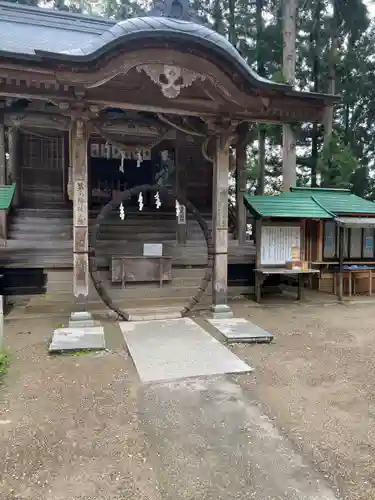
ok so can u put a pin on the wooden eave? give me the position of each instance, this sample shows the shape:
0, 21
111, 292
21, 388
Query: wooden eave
83, 56
263, 107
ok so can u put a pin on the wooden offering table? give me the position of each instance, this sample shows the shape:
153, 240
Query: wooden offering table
262, 273
141, 269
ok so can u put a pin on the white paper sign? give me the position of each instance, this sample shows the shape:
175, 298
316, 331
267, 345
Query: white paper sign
277, 243
153, 249
181, 215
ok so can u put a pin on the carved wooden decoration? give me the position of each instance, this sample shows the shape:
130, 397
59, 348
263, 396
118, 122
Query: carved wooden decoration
80, 203
171, 79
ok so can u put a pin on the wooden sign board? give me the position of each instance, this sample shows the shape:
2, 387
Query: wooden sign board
278, 244
104, 150
181, 219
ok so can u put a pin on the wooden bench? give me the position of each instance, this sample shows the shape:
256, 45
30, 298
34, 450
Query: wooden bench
126, 269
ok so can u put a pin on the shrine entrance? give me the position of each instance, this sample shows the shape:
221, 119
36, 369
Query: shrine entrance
121, 161
145, 262
183, 107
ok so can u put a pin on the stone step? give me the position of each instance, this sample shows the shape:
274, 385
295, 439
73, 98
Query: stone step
179, 282
128, 221
48, 214
56, 276
147, 292
39, 305
63, 257
67, 263
147, 314
127, 304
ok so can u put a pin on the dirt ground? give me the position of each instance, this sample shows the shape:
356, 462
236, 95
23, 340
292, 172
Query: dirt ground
69, 425
316, 381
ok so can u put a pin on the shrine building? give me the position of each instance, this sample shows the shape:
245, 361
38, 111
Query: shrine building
91, 108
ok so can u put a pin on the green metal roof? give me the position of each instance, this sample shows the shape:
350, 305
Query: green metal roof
338, 201
6, 195
286, 205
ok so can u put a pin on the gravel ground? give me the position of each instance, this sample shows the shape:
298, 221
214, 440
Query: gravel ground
317, 381
55, 440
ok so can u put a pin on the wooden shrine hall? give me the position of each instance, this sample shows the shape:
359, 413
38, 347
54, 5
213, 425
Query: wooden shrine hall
91, 108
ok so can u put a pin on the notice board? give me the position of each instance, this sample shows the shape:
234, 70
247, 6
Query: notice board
277, 243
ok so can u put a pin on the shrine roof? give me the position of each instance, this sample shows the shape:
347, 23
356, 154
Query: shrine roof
6, 195
338, 201
310, 203
32, 33
25, 30
286, 205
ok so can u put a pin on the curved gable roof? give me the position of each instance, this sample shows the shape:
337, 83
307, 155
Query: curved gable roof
36, 33
142, 29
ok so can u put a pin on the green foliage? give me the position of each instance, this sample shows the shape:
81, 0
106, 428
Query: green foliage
350, 158
4, 363
337, 164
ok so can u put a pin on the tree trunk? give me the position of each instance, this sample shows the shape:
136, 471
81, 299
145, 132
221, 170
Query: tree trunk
232, 22
261, 72
328, 113
217, 15
262, 159
315, 49
289, 73
347, 107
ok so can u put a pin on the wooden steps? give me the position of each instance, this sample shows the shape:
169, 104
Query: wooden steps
42, 238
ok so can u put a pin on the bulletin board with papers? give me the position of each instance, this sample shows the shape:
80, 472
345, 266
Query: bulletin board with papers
277, 243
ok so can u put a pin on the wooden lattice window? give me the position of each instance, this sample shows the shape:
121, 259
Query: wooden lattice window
42, 163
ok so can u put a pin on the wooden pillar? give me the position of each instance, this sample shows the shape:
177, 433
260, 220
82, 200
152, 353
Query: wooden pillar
289, 158
2, 150
79, 141
14, 173
241, 183
341, 262
181, 184
289, 73
220, 227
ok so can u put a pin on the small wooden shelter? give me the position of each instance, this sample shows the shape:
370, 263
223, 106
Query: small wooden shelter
332, 231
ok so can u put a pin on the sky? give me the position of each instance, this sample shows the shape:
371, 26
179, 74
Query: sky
371, 7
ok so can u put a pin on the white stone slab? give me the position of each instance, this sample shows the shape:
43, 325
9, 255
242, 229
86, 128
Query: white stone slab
240, 330
75, 339
177, 348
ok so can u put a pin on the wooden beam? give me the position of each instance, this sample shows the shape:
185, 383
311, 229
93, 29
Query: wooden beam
220, 306
79, 138
181, 182
241, 182
341, 262
14, 174
2, 150
319, 242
